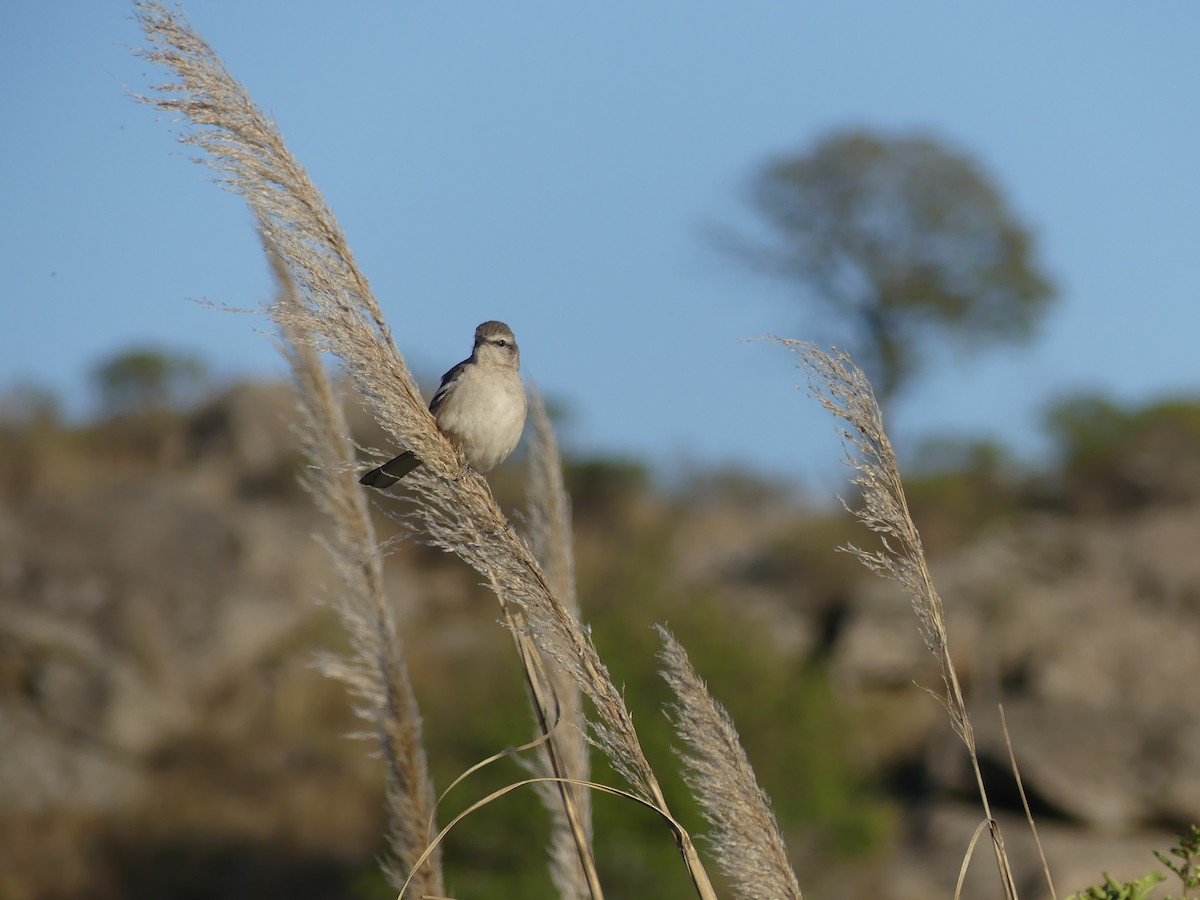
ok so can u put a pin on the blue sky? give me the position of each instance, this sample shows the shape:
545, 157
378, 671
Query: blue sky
557, 166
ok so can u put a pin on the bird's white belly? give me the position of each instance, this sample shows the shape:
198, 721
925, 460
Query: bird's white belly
488, 428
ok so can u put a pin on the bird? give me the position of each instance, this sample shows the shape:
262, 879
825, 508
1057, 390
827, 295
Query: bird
480, 406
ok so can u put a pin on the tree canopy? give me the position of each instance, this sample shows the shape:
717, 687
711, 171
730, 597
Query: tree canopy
906, 241
146, 379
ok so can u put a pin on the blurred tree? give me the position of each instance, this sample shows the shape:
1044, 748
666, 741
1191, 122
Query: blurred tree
906, 241
1115, 458
30, 434
145, 380
26, 406
957, 487
1086, 427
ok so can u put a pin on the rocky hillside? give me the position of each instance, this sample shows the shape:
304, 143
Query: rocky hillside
164, 731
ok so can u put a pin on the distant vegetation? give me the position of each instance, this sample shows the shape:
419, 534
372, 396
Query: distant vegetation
905, 242
627, 530
160, 633
1105, 456
145, 380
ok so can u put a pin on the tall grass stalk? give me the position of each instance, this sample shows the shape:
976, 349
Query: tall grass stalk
745, 836
375, 672
337, 312
843, 389
566, 756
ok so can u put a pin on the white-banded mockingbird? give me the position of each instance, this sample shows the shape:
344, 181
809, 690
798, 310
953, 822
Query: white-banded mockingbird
480, 406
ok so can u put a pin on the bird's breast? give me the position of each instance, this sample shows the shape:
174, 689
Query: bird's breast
484, 416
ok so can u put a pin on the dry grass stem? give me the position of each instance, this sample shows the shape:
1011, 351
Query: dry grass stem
375, 672
1037, 840
842, 388
566, 756
572, 859
461, 517
745, 836
337, 312
337, 309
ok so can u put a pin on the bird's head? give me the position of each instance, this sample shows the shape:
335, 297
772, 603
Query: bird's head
495, 345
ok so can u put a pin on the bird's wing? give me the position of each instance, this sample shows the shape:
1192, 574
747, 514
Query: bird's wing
447, 385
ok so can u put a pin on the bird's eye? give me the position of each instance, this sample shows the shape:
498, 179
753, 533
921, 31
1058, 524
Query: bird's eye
502, 343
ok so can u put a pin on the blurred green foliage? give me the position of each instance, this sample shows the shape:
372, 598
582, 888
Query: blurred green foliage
783, 708
905, 239
26, 407
602, 488
31, 432
471, 689
958, 487
149, 379
1114, 457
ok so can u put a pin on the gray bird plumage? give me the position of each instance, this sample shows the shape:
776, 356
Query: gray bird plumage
479, 405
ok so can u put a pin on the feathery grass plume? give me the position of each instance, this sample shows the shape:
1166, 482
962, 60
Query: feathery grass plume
337, 312
375, 672
842, 388
248, 156
550, 538
461, 517
549, 513
745, 836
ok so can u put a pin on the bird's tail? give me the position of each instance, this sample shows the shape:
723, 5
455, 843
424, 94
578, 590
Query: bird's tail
391, 472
